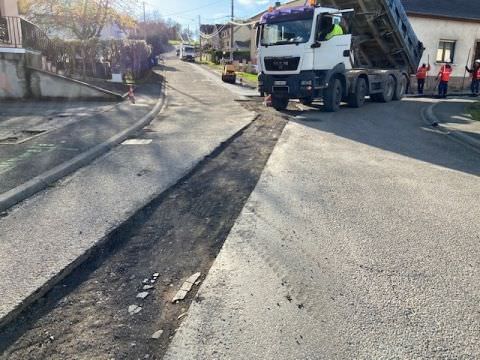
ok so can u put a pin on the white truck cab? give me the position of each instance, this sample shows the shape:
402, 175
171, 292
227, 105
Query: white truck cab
306, 53
187, 52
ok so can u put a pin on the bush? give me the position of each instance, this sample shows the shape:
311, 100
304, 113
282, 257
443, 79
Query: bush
217, 56
96, 58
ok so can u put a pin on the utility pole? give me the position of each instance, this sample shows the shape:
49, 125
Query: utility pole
231, 31
144, 21
200, 35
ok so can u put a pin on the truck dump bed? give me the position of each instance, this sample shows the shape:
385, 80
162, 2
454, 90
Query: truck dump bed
382, 34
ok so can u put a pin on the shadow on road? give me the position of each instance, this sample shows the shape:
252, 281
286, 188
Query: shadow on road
397, 127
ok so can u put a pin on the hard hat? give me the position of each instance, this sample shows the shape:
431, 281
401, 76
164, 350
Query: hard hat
477, 61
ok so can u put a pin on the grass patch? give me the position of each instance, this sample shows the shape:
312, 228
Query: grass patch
474, 111
247, 77
251, 78
174, 42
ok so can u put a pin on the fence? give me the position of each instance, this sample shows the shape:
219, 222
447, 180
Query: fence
16, 32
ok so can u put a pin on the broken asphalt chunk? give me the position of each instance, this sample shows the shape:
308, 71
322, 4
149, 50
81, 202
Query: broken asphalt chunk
143, 295
134, 309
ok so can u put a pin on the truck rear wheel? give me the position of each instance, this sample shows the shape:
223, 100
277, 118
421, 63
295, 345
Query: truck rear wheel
388, 92
279, 103
357, 99
333, 96
401, 88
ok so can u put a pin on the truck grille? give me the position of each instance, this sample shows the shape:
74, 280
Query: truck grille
282, 63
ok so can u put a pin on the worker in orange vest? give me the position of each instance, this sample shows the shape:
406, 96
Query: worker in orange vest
422, 74
475, 71
444, 77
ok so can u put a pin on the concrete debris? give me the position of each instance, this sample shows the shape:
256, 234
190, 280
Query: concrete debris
148, 287
145, 281
156, 275
180, 295
143, 295
193, 278
182, 315
134, 309
157, 334
186, 287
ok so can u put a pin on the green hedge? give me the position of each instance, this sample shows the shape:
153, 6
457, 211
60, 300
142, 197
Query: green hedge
217, 56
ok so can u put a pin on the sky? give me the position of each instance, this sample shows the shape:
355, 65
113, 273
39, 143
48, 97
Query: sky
211, 11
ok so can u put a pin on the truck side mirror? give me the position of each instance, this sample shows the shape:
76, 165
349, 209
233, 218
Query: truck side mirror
316, 45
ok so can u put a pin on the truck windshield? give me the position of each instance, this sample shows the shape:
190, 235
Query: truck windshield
287, 32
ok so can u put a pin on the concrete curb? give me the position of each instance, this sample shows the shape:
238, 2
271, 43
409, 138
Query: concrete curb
40, 182
430, 118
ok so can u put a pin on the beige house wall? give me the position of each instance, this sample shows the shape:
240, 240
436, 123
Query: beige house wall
8, 8
431, 30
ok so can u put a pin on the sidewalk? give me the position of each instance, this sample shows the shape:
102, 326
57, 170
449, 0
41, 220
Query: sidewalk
37, 137
451, 115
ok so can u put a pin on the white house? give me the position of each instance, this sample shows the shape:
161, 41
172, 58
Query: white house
449, 30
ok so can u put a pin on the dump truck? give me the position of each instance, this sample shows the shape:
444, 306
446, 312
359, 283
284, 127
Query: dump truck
187, 52
339, 51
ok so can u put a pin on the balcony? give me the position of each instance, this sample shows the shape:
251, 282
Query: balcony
18, 33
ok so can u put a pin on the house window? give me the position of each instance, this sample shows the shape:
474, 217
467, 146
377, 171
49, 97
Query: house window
446, 51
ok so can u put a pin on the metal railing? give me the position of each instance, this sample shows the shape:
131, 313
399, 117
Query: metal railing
34, 38
16, 32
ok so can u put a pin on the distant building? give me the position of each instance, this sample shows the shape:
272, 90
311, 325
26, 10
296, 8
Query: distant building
212, 36
241, 38
449, 29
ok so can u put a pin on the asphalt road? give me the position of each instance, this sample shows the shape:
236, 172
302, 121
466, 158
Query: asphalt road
360, 241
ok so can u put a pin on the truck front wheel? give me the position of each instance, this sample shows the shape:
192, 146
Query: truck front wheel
357, 99
333, 96
279, 103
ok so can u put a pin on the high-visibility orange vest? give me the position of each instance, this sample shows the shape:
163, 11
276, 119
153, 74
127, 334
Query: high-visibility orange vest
422, 73
476, 74
445, 74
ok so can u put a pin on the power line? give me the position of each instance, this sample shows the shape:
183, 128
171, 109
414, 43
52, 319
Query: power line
194, 9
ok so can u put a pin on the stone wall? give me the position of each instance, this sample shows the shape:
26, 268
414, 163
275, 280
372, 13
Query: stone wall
45, 85
21, 78
13, 76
